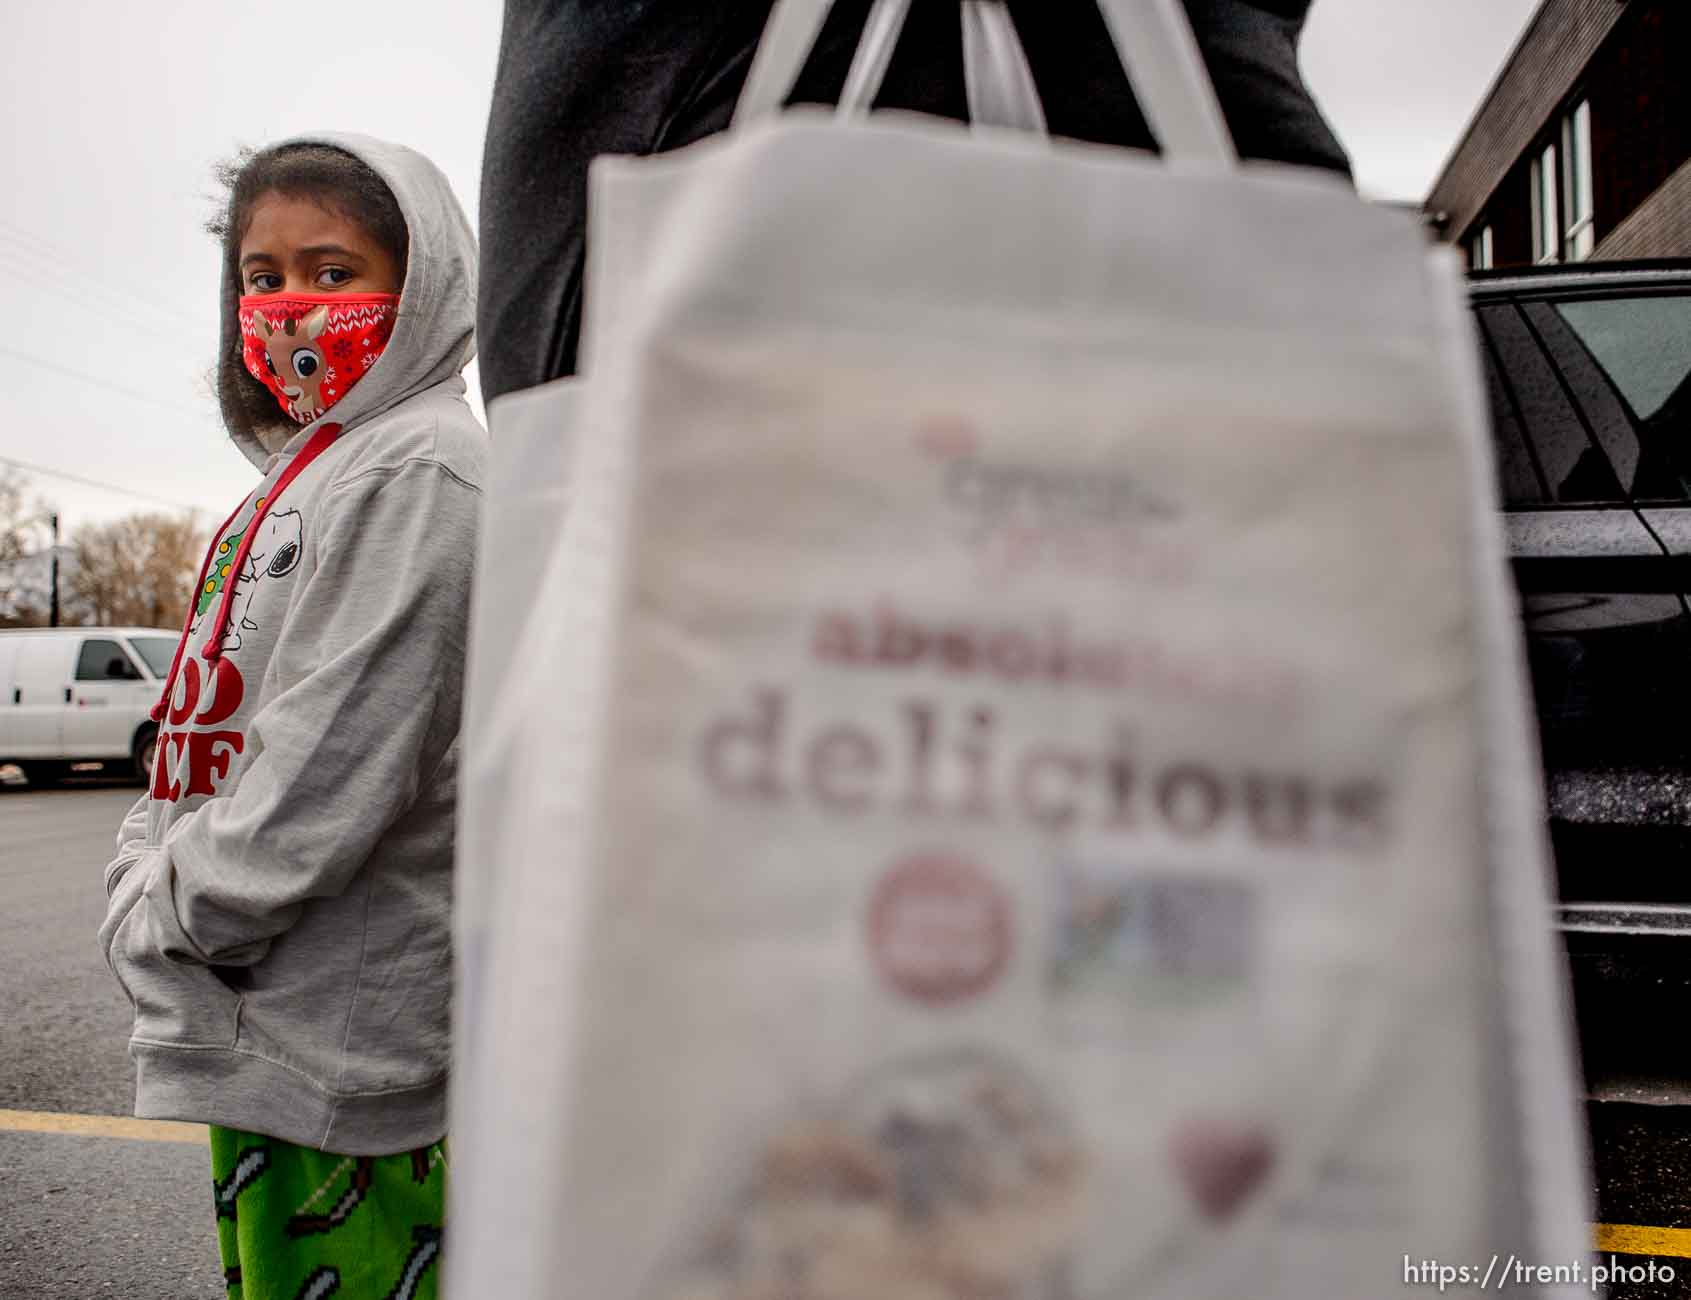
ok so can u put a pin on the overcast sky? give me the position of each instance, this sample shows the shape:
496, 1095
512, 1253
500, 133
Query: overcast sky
117, 112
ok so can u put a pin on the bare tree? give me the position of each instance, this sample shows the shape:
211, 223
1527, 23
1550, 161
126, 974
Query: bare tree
138, 570
23, 523
25, 553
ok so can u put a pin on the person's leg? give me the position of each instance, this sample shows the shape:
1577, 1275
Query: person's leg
226, 1151
298, 1224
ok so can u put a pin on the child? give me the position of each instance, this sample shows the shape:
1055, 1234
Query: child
279, 903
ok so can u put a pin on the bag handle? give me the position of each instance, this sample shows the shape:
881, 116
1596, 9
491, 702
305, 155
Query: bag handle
1166, 70
874, 53
996, 76
1152, 38
997, 80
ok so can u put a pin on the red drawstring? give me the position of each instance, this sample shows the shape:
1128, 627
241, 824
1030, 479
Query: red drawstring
157, 711
212, 650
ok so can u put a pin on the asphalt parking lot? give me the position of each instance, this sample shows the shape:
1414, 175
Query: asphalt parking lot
91, 1214
95, 1204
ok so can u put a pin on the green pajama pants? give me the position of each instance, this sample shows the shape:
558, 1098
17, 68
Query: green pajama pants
299, 1224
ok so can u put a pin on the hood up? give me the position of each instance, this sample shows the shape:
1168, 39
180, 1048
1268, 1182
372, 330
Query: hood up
434, 335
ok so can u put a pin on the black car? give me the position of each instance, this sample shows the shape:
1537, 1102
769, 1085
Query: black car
1589, 377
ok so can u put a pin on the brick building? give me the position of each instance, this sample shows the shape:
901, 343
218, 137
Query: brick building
1582, 147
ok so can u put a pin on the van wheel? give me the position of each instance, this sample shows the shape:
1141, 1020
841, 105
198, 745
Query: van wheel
141, 755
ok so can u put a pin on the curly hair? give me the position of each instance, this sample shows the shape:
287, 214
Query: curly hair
329, 177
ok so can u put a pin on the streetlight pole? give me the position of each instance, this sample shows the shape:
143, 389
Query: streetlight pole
53, 614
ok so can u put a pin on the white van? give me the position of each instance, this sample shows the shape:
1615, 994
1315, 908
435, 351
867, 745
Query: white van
72, 695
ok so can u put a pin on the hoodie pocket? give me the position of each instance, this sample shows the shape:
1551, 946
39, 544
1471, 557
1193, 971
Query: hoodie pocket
176, 1002
119, 908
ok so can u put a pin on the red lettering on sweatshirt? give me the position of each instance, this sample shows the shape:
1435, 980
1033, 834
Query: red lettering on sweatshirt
205, 758
163, 786
206, 699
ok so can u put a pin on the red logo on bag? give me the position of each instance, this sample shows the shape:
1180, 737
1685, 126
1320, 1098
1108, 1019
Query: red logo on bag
1021, 515
939, 929
945, 437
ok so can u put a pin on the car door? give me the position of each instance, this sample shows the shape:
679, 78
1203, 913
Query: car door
41, 676
1608, 632
1629, 356
9, 712
1608, 635
100, 722
1621, 818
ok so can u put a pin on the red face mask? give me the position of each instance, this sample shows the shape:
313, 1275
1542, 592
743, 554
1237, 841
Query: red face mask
308, 349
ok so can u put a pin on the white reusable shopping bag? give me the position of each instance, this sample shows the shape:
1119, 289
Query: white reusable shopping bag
1003, 767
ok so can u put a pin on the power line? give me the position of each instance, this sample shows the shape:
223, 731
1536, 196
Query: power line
155, 324
83, 286
177, 407
48, 259
95, 483
54, 259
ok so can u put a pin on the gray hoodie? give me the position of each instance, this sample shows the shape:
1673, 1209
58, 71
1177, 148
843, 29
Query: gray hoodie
280, 901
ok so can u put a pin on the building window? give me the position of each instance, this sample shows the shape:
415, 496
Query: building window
1479, 250
1546, 227
1562, 226
1576, 182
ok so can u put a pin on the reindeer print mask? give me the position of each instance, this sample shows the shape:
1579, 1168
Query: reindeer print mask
308, 349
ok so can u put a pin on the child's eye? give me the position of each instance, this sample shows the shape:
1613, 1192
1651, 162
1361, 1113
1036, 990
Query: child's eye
265, 282
334, 275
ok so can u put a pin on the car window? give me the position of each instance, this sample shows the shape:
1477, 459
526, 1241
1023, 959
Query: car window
1517, 477
1573, 467
1610, 421
155, 651
1642, 346
96, 662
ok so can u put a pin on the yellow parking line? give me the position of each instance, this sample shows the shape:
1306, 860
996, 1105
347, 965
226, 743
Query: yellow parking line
1616, 1238
1631, 1239
105, 1126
